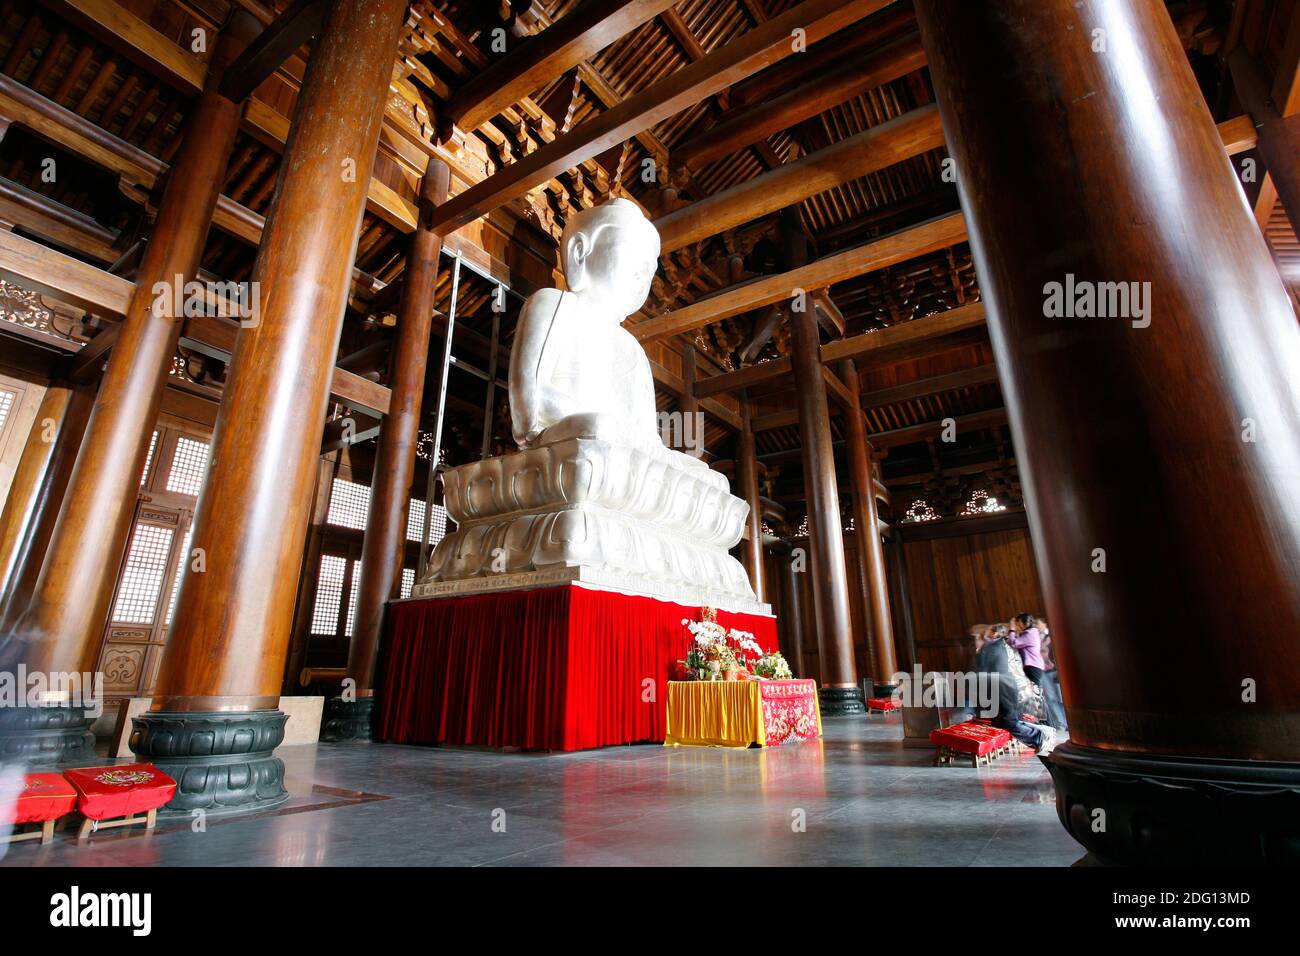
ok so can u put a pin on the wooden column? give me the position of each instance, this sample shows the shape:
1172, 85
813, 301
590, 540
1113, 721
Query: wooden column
385, 541
747, 473
70, 601
839, 677
1160, 454
875, 581
39, 485
220, 676
790, 626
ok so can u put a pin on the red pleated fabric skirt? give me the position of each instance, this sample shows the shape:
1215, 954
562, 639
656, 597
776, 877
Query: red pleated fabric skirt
561, 668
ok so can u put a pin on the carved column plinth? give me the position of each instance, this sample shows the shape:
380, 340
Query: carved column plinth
347, 719
1152, 809
841, 701
883, 690
223, 762
46, 736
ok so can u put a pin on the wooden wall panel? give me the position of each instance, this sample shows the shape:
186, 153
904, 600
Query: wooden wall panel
957, 581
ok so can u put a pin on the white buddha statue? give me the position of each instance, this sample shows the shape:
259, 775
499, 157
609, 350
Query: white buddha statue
593, 495
575, 372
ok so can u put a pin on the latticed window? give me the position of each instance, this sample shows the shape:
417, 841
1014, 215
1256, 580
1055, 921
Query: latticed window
920, 510
148, 460
349, 504
981, 504
7, 399
408, 581
189, 466
142, 578
415, 522
329, 595
182, 566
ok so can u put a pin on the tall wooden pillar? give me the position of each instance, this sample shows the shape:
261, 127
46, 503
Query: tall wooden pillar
219, 682
874, 580
65, 619
385, 540
747, 473
791, 623
1159, 447
39, 485
840, 693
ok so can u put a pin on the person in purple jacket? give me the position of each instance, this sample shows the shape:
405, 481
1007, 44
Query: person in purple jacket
1026, 639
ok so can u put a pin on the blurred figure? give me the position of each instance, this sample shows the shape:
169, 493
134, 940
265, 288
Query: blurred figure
1026, 639
994, 659
1051, 682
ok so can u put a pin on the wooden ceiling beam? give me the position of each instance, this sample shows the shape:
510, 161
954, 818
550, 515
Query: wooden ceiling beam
915, 433
825, 56
292, 29
937, 384
546, 55
743, 127
41, 269
894, 141
137, 41
717, 71
914, 335
57, 223
49, 272
906, 335
875, 148
898, 247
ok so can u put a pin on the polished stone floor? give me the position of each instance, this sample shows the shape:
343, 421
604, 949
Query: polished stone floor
857, 797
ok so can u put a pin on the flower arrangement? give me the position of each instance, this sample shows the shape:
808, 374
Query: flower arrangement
717, 653
773, 667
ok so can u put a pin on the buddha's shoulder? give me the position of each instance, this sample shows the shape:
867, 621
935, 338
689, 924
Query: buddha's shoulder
545, 303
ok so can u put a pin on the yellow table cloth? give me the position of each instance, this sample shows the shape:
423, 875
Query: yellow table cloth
741, 713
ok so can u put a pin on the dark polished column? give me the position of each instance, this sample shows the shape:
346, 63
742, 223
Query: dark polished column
214, 721
875, 581
790, 626
1160, 455
839, 692
747, 473
385, 540
64, 621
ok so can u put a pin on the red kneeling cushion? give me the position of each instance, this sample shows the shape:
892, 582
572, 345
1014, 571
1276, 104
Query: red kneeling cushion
882, 703
109, 792
44, 796
970, 738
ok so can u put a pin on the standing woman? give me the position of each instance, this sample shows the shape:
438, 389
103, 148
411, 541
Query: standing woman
1026, 639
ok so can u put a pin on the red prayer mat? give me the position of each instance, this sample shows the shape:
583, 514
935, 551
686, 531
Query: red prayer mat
105, 793
44, 796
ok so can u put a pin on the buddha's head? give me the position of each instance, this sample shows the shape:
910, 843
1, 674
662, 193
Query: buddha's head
611, 252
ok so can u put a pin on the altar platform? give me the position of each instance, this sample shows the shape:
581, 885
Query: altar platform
742, 713
558, 668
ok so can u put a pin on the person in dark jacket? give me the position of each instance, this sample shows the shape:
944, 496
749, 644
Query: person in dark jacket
991, 660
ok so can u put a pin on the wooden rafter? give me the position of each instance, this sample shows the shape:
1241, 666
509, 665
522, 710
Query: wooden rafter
715, 72
542, 57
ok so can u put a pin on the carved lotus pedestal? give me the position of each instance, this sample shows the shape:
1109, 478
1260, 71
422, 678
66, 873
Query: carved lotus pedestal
592, 512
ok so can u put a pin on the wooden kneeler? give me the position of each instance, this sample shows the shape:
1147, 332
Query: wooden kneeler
89, 826
119, 796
